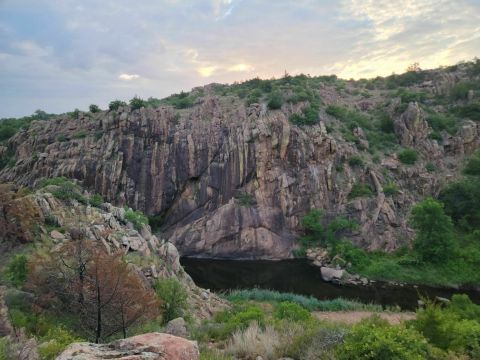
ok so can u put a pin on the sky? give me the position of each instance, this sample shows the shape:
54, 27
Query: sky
58, 55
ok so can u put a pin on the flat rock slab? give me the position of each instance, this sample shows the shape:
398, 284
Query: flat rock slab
151, 346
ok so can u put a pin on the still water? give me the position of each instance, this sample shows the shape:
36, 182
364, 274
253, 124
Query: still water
297, 276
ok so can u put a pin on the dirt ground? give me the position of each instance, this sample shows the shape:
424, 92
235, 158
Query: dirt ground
352, 317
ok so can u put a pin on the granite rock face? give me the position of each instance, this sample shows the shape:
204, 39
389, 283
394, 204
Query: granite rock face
150, 346
231, 181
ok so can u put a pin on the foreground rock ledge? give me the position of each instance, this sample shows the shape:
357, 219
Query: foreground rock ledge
151, 346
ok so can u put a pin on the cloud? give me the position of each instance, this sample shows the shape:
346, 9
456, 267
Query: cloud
241, 68
61, 55
128, 77
206, 71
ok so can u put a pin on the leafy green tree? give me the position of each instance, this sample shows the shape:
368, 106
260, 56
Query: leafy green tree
275, 101
116, 104
174, 298
317, 234
461, 201
137, 103
435, 238
94, 108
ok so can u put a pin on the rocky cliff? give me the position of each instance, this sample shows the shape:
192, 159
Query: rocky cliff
231, 180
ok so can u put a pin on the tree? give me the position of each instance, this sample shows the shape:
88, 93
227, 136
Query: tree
97, 286
435, 239
174, 298
114, 297
116, 104
137, 103
414, 67
317, 234
94, 108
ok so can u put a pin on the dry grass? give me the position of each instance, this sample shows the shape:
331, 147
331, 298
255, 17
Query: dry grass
254, 341
353, 317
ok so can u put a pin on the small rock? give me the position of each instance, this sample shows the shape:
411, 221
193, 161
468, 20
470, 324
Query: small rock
442, 300
177, 327
57, 235
205, 295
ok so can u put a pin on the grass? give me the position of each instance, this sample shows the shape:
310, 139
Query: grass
390, 267
308, 302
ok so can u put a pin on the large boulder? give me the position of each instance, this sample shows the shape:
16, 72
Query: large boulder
412, 128
151, 346
330, 274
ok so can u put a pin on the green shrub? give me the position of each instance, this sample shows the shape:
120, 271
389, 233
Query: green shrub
408, 156
375, 339
406, 79
430, 167
455, 328
390, 189
16, 271
4, 348
461, 89
173, 296
80, 135
55, 341
245, 199
94, 108
96, 200
238, 318
469, 111
275, 101
7, 159
137, 103
61, 138
291, 311
355, 161
442, 122
182, 100
65, 189
316, 234
408, 96
254, 97
75, 114
136, 217
156, 222
434, 240
386, 123
116, 104
473, 165
461, 201
309, 116
355, 255
360, 190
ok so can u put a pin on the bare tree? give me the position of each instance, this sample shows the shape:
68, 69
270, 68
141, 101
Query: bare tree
104, 290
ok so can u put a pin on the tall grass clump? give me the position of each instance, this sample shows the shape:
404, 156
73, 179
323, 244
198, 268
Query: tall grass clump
308, 302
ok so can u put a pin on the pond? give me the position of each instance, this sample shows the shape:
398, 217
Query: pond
298, 276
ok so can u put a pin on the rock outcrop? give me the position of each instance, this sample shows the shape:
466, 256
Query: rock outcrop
105, 226
231, 181
151, 346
